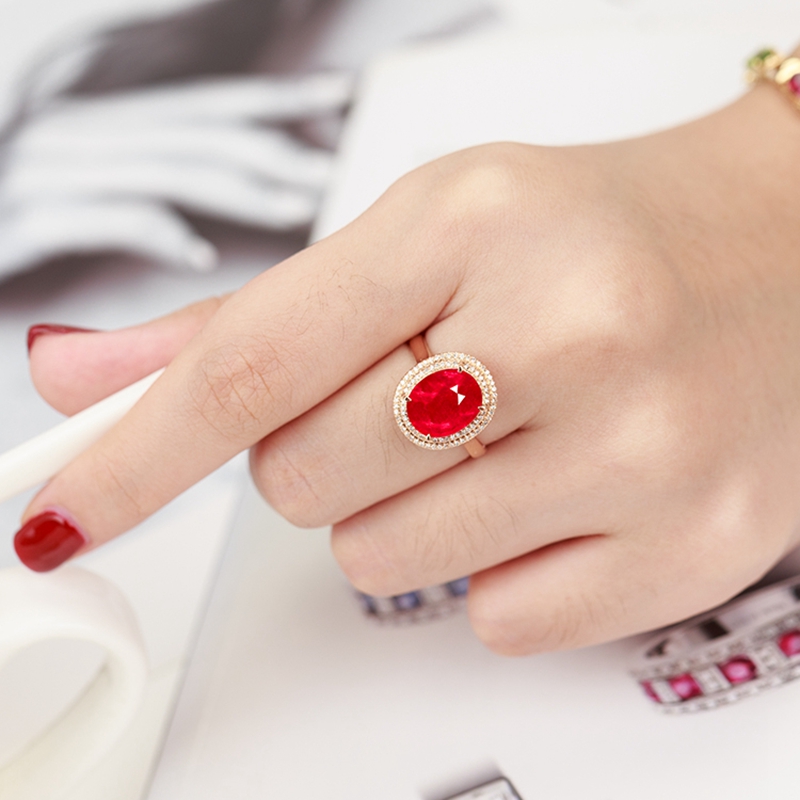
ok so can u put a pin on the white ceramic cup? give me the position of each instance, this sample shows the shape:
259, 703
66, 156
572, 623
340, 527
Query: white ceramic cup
79, 605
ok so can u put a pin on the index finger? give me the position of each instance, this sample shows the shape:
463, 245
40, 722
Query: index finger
278, 347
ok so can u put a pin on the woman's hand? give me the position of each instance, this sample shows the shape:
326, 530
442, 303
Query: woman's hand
639, 307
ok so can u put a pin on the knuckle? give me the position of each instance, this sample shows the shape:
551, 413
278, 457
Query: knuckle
483, 190
287, 478
615, 318
501, 632
237, 384
733, 519
645, 444
507, 626
364, 560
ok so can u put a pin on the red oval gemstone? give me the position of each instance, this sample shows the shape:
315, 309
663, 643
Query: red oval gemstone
444, 403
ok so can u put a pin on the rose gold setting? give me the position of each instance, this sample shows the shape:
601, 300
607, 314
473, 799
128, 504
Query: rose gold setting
419, 347
429, 365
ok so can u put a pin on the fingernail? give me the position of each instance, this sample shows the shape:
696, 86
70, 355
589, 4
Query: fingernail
35, 331
47, 540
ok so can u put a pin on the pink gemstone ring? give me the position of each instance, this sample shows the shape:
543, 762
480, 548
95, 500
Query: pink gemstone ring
744, 647
445, 401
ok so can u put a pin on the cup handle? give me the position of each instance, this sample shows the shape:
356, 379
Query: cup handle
71, 604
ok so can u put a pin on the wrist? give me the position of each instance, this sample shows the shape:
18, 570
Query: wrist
725, 189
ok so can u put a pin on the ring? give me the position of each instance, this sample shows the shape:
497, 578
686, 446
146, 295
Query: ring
445, 401
735, 651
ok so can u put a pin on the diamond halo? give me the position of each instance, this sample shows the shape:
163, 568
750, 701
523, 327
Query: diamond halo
446, 361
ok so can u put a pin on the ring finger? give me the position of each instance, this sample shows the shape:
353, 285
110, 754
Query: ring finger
348, 453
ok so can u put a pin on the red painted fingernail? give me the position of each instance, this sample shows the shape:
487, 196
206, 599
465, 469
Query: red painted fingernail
47, 540
35, 331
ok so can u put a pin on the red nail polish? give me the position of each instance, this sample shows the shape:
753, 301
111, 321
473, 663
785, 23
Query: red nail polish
47, 540
35, 331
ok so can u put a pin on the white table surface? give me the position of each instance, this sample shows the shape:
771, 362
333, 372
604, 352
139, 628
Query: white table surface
294, 694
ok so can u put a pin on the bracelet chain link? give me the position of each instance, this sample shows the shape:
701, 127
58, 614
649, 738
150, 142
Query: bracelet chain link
781, 71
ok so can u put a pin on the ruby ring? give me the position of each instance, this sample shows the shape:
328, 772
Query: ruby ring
445, 401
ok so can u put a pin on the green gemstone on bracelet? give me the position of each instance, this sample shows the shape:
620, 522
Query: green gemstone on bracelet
760, 57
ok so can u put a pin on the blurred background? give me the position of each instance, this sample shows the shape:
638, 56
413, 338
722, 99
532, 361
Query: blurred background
153, 152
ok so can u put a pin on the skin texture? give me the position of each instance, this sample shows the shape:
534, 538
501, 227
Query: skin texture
638, 304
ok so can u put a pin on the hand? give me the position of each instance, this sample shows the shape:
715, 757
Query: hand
106, 173
638, 304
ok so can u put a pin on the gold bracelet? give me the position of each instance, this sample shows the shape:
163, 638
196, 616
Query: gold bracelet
769, 65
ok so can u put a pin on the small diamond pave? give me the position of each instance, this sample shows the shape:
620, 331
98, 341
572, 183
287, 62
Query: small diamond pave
711, 680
